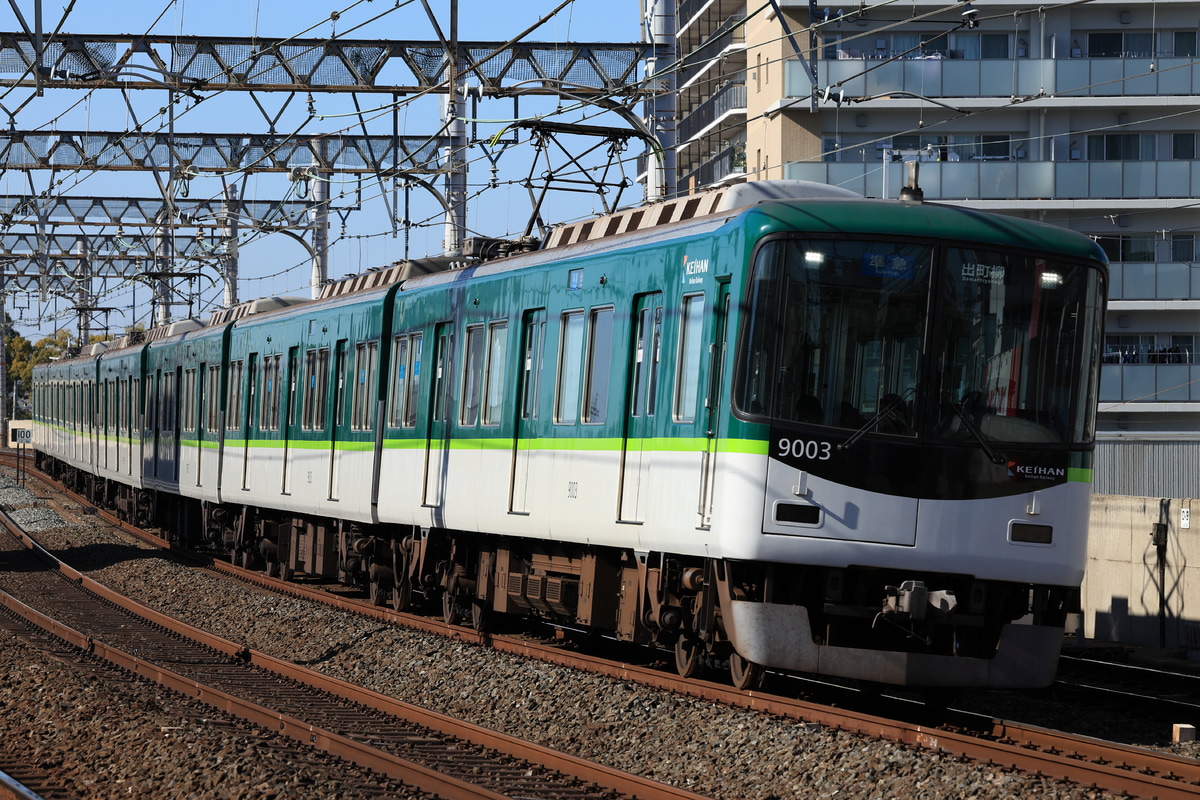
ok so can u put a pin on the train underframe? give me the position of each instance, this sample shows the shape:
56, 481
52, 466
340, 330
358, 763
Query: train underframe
679, 602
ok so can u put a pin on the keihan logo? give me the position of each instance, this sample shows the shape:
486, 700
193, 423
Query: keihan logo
1029, 472
697, 266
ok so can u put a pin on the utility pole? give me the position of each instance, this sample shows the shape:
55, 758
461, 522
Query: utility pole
661, 176
456, 148
228, 235
320, 221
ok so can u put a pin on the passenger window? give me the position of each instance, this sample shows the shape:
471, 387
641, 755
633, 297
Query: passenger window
687, 378
468, 413
531, 369
212, 395
233, 400
396, 386
566, 405
189, 400
362, 402
414, 381
600, 344
493, 390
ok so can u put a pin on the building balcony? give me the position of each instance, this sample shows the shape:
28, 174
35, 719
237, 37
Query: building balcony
1023, 77
1144, 384
1047, 181
727, 166
691, 10
731, 35
728, 100
1153, 281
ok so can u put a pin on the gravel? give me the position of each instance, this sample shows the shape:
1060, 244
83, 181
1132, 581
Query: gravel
704, 747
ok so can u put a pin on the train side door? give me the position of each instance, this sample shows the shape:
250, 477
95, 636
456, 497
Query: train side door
437, 439
289, 402
339, 405
711, 410
533, 343
640, 408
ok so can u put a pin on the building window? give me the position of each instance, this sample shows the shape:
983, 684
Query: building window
1184, 44
1121, 45
1121, 147
1183, 247
1136, 248
1128, 349
1183, 146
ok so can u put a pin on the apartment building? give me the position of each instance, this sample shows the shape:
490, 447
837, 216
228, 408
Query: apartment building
1084, 115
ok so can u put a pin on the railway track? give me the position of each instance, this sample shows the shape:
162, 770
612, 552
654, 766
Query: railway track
431, 752
1090, 762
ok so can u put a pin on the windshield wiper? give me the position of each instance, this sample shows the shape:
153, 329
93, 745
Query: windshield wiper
884, 410
995, 456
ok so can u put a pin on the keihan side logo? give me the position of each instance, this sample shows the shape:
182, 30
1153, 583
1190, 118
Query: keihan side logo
694, 270
1030, 472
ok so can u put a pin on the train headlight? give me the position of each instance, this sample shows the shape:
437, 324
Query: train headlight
1051, 280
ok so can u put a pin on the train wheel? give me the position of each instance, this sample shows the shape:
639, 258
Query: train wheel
450, 613
378, 593
402, 595
479, 616
745, 674
689, 654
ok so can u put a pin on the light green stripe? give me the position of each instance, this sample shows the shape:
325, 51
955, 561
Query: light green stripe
1079, 475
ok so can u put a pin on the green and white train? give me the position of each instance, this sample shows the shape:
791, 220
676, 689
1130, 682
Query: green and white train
771, 426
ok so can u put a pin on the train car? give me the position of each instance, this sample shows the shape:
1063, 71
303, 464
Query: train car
68, 427
119, 410
773, 426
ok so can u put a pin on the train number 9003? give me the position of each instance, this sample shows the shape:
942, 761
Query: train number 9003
800, 448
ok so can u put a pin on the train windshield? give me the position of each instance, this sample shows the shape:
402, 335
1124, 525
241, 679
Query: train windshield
835, 332
1018, 337
836, 335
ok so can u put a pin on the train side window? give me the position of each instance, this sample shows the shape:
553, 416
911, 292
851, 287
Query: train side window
414, 381
233, 400
396, 386
362, 414
531, 370
600, 344
189, 400
472, 391
441, 376
135, 403
167, 414
310, 390
687, 377
493, 390
268, 418
212, 394
570, 358
321, 389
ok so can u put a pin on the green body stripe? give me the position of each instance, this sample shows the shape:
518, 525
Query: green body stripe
1079, 475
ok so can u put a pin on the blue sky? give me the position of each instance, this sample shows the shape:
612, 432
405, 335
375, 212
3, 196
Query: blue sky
274, 265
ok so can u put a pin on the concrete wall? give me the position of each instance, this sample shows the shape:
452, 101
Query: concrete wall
1129, 577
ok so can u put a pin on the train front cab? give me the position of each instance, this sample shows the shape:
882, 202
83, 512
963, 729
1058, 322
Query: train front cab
928, 455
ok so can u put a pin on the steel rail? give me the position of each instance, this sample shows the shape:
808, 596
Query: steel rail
1109, 766
393, 766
